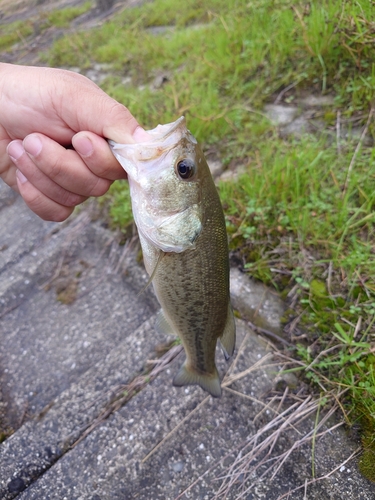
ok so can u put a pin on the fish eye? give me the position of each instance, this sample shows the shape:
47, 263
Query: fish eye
186, 169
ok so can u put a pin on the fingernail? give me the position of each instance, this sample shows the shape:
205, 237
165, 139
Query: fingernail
140, 135
20, 176
15, 150
33, 145
83, 146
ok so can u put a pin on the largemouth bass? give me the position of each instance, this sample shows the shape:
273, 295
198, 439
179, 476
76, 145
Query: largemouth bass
181, 227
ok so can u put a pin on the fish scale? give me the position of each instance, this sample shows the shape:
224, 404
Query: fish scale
185, 249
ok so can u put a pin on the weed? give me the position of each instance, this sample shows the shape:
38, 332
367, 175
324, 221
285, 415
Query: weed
61, 18
19, 31
15, 32
120, 210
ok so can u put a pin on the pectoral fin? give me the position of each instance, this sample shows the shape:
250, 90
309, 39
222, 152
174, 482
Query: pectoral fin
228, 337
208, 382
161, 255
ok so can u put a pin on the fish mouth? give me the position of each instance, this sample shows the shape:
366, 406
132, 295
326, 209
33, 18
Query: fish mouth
163, 131
163, 139
159, 133
169, 139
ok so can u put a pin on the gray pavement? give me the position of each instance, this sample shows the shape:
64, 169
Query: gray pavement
74, 334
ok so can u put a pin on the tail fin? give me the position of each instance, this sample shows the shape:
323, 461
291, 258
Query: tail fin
208, 382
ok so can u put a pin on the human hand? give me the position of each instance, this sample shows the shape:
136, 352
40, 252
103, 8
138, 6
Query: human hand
45, 111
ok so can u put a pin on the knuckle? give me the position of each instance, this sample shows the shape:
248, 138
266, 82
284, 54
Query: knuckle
55, 169
69, 199
60, 215
117, 113
100, 187
46, 209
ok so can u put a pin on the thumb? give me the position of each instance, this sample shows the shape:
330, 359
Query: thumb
91, 109
120, 126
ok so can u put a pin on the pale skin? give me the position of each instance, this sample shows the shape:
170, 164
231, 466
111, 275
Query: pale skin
53, 130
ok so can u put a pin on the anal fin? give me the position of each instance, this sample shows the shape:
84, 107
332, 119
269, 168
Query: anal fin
228, 337
162, 325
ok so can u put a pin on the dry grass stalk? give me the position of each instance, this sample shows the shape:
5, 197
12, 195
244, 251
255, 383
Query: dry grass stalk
262, 444
355, 154
326, 476
160, 444
228, 379
128, 247
302, 364
268, 333
123, 393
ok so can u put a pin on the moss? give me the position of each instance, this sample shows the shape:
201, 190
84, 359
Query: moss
363, 419
366, 463
318, 288
67, 294
5, 434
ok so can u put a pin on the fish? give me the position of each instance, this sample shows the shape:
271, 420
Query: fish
181, 227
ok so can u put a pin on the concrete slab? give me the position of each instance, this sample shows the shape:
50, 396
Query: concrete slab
109, 463
71, 308
16, 223
73, 331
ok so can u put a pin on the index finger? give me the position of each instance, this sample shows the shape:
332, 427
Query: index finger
97, 155
91, 109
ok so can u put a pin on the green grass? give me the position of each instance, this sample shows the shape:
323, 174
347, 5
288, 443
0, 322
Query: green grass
120, 211
62, 18
19, 31
14, 32
300, 218
235, 53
